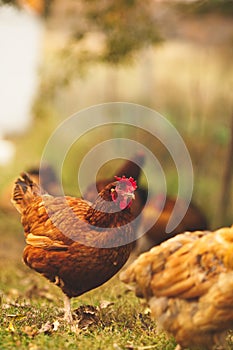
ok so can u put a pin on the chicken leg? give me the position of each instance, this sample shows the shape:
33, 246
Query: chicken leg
67, 308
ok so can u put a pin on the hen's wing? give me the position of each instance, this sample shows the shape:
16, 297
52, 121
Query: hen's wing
57, 222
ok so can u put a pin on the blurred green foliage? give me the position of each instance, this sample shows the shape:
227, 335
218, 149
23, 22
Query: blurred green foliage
128, 26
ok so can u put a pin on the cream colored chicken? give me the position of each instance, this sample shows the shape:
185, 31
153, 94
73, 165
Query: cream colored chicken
188, 283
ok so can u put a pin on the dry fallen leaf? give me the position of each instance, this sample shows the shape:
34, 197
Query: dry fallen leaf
49, 328
56, 325
46, 328
87, 315
105, 304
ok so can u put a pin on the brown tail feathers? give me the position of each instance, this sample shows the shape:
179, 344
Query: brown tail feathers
24, 191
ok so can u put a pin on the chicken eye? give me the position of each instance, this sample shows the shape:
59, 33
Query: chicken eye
113, 194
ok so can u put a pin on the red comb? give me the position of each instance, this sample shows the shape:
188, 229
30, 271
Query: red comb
123, 178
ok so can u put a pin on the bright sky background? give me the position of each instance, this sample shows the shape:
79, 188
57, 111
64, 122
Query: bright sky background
20, 48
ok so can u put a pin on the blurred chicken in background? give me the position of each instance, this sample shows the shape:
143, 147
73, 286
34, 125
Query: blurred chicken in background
194, 219
44, 175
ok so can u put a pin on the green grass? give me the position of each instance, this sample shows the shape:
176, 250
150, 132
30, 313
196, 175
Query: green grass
27, 322
122, 325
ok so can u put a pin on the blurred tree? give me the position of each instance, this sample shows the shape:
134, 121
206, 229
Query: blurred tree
103, 31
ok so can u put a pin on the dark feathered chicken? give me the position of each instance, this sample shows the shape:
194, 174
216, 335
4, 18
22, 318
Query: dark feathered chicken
74, 243
43, 175
46, 177
188, 282
193, 220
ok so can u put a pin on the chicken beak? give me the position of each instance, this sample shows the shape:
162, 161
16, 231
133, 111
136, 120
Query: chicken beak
131, 195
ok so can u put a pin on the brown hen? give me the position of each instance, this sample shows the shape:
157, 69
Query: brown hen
188, 282
74, 243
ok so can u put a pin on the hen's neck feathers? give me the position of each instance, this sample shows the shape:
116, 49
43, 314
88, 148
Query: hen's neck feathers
106, 213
